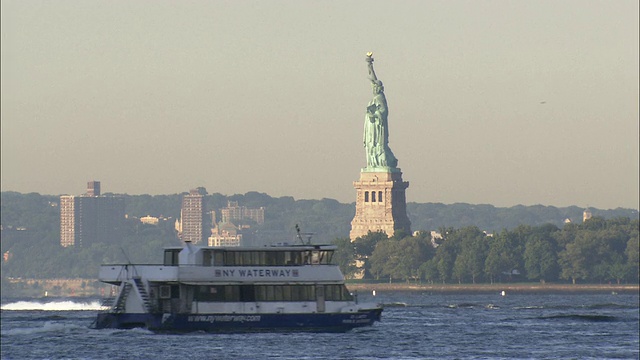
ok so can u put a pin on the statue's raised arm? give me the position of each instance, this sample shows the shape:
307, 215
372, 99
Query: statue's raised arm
372, 73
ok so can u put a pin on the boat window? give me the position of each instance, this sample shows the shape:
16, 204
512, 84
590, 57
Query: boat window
329, 292
230, 259
246, 258
337, 292
257, 257
261, 293
251, 293
328, 257
315, 257
277, 292
293, 258
247, 293
270, 293
231, 293
296, 292
346, 294
171, 257
206, 258
210, 293
218, 258
270, 258
286, 292
303, 293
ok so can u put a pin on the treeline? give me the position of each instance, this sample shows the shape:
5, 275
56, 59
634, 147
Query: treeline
596, 251
30, 236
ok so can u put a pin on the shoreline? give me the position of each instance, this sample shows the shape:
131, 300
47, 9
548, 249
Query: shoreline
521, 288
70, 288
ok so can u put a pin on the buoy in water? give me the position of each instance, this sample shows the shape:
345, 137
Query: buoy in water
503, 293
374, 293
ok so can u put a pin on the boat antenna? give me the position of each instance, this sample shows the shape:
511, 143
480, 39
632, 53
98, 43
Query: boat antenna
308, 235
125, 256
298, 234
133, 267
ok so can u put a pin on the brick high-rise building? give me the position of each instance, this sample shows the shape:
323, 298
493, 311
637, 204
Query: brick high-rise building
68, 216
91, 218
192, 217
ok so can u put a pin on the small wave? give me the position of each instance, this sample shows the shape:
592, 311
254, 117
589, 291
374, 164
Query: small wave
426, 306
50, 318
462, 305
611, 306
127, 332
532, 307
395, 304
48, 326
581, 317
67, 305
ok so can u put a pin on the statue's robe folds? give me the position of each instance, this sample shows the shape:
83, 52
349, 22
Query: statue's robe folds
376, 136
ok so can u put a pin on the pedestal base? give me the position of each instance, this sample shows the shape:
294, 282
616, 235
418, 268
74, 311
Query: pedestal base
380, 203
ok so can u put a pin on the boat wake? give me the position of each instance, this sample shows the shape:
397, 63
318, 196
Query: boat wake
49, 326
60, 305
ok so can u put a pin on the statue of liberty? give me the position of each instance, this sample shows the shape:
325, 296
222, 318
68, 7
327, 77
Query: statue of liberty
376, 129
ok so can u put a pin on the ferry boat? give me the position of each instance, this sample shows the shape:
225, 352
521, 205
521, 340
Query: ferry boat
232, 289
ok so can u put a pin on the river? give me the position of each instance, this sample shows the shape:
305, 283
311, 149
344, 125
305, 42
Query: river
414, 325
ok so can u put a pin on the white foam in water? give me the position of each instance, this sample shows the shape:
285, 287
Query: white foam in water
46, 327
66, 305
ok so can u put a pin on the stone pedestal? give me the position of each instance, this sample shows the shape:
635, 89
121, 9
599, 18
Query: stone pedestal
380, 203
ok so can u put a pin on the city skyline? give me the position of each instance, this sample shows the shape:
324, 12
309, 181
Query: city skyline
501, 103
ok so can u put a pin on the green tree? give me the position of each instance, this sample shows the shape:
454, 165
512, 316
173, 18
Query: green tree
575, 259
429, 270
384, 259
633, 257
540, 259
475, 249
365, 245
344, 256
618, 271
412, 252
504, 255
446, 254
460, 268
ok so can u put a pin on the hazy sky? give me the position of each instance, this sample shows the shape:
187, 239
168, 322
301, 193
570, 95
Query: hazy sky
498, 102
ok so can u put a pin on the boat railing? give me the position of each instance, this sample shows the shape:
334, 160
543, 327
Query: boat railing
107, 302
